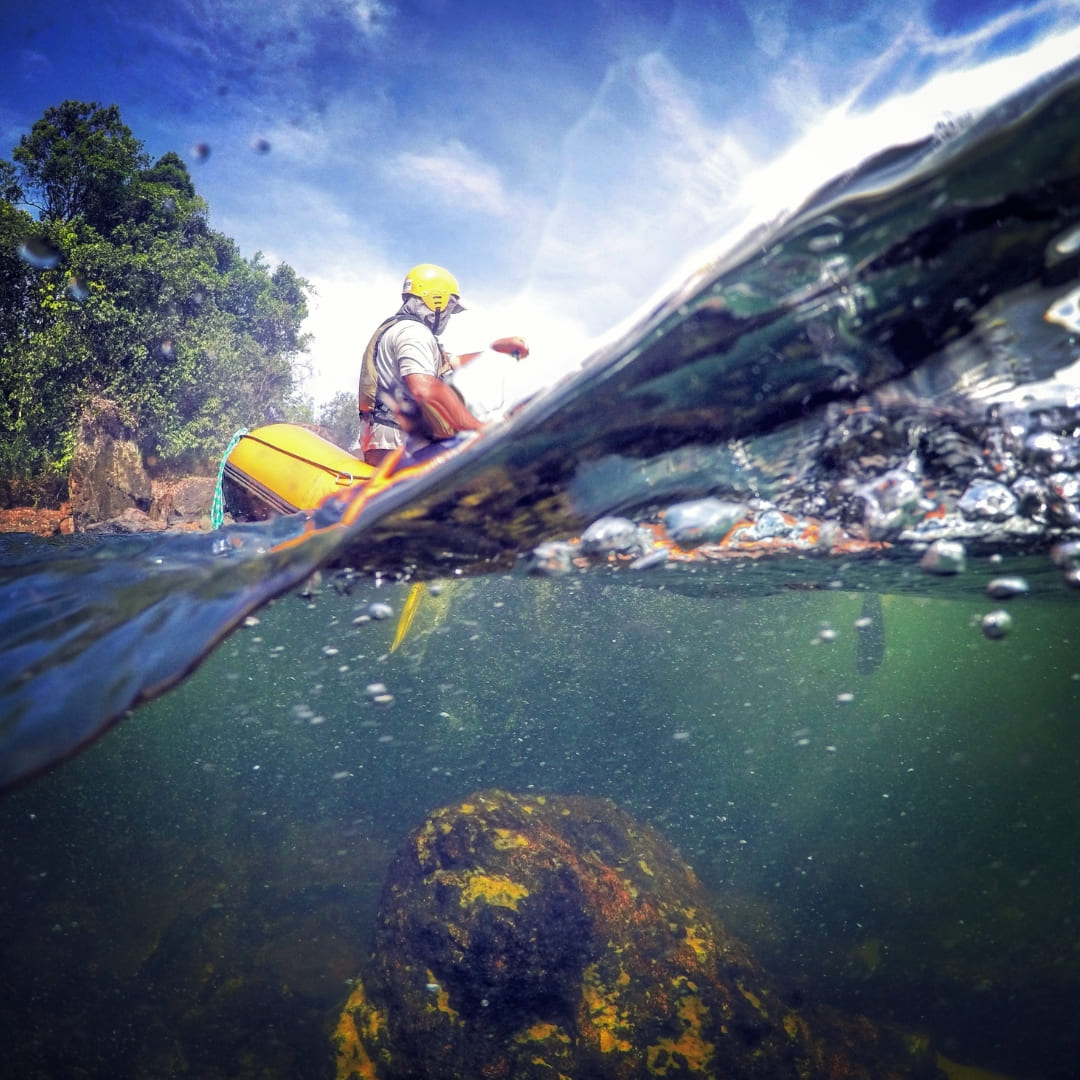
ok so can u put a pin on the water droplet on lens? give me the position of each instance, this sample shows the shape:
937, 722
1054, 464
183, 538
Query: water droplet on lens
200, 151
77, 288
260, 145
39, 253
996, 624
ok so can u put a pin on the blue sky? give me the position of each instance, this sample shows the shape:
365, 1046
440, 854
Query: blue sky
565, 159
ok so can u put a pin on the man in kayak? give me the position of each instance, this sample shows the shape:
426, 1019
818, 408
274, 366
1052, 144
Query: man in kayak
403, 387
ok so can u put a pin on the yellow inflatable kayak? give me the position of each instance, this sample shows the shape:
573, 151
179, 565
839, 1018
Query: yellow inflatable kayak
284, 468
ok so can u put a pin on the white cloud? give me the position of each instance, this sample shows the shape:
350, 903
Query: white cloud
454, 175
371, 16
846, 135
343, 315
350, 305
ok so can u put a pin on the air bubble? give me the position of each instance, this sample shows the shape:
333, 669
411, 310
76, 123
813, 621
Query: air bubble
1063, 246
944, 557
996, 624
1005, 588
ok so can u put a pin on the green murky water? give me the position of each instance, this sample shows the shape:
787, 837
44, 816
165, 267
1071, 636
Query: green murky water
191, 895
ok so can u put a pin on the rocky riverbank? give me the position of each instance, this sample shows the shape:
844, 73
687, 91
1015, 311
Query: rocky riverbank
112, 489
175, 505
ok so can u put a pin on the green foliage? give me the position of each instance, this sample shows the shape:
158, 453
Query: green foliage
143, 303
339, 420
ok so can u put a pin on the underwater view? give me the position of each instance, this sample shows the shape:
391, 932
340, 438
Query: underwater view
715, 715
877, 799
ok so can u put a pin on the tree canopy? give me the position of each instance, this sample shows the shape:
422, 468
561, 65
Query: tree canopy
113, 284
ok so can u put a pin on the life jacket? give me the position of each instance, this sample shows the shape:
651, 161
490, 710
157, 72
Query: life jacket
369, 404
369, 381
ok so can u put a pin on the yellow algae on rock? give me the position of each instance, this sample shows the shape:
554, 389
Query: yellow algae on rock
492, 889
698, 937
753, 999
442, 997
690, 1051
359, 1025
604, 1014
542, 1030
507, 839
571, 941
955, 1071
795, 1026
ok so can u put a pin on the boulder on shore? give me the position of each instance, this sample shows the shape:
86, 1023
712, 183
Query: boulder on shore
112, 490
183, 503
108, 476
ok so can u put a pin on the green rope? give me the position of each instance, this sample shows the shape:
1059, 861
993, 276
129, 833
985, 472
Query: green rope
217, 508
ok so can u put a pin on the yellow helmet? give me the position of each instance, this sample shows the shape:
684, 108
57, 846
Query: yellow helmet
434, 285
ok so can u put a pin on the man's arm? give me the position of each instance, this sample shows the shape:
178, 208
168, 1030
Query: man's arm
442, 408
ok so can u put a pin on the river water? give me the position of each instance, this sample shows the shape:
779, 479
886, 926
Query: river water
878, 791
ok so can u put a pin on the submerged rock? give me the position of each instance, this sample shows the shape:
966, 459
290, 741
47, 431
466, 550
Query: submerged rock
527, 937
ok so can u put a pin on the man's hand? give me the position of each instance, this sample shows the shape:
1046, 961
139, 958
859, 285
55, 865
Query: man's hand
514, 346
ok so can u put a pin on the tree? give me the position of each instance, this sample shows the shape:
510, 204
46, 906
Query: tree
146, 304
338, 419
79, 160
